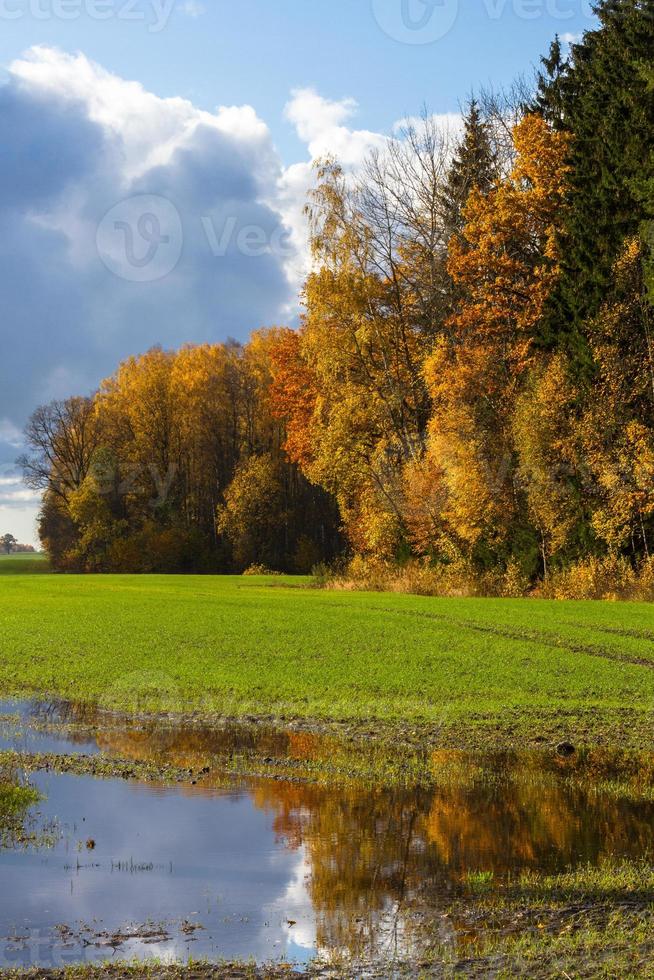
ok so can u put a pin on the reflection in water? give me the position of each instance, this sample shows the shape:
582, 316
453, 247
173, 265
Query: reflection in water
27, 726
354, 868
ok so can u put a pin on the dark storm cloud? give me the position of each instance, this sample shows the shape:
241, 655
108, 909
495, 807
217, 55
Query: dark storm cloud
67, 319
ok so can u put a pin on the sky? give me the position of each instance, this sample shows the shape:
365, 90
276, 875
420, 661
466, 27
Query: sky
156, 155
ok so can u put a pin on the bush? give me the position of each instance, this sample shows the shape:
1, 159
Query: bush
609, 578
612, 577
321, 575
454, 579
260, 570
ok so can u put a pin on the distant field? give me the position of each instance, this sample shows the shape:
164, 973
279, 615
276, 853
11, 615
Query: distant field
255, 646
27, 564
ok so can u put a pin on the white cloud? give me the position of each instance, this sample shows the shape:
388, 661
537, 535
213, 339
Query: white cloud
294, 904
150, 129
319, 123
569, 38
21, 522
18, 497
312, 115
18, 506
78, 141
450, 124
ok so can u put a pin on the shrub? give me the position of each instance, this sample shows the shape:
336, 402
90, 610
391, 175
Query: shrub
260, 570
612, 577
422, 577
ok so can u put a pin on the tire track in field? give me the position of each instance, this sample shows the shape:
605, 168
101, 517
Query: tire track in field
629, 634
533, 636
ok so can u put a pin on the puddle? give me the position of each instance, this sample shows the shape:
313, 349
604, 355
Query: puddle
34, 726
267, 868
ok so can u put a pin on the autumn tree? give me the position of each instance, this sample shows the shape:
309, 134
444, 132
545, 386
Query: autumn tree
170, 441
549, 472
349, 386
505, 264
253, 516
472, 379
62, 437
616, 428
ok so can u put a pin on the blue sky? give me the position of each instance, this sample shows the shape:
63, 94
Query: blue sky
256, 51
126, 124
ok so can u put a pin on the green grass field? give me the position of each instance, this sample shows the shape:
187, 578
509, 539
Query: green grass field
507, 669
24, 564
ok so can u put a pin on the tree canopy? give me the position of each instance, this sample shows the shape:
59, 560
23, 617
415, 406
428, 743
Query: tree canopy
472, 379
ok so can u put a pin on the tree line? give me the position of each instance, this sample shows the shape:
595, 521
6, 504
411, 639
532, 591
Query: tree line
177, 464
472, 381
9, 545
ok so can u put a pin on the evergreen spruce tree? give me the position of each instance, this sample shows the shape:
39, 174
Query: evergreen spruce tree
604, 97
474, 165
549, 100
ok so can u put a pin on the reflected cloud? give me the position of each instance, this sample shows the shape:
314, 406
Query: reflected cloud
279, 866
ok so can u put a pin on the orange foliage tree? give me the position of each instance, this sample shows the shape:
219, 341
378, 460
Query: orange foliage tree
504, 264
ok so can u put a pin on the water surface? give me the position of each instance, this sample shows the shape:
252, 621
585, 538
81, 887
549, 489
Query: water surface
220, 867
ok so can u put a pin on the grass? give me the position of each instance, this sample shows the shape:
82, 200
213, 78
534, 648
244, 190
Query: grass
620, 946
587, 922
468, 671
153, 970
24, 564
90, 765
481, 669
16, 798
